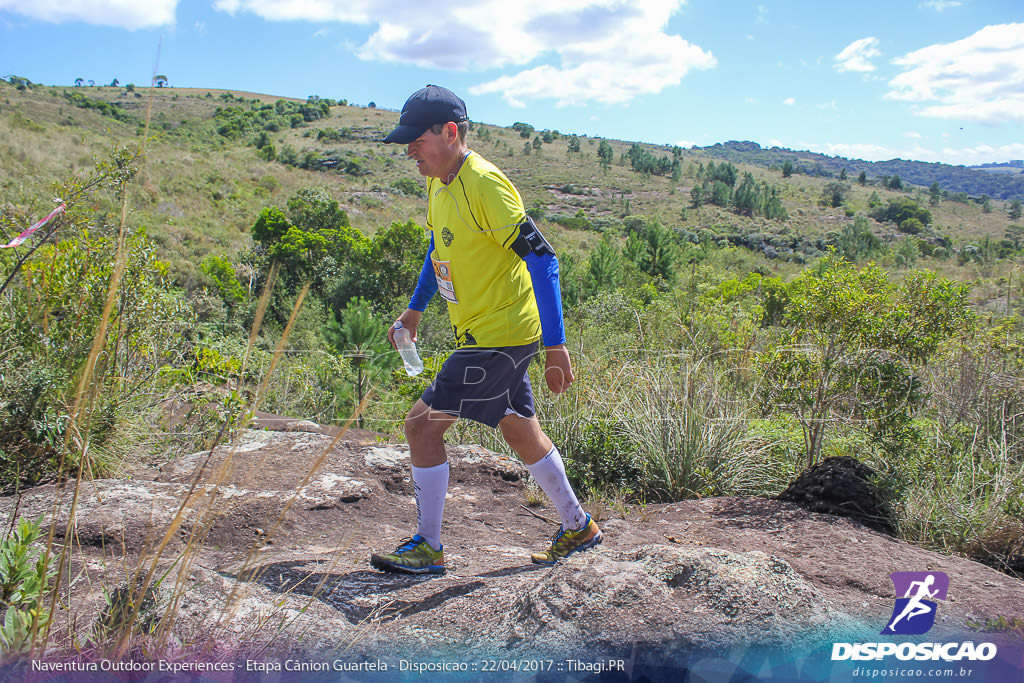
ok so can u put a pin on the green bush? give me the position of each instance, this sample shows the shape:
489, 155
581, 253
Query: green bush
105, 108
900, 210
49, 328
604, 458
409, 187
26, 572
220, 270
852, 347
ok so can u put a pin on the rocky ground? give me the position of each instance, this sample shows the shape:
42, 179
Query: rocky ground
264, 545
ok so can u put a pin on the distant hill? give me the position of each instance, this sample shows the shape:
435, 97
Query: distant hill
1015, 166
216, 158
1007, 183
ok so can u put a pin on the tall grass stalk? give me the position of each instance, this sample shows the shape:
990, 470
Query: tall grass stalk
210, 486
968, 502
279, 351
693, 437
123, 174
261, 310
195, 491
76, 435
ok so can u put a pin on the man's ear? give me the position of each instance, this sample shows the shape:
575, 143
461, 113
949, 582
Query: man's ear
453, 130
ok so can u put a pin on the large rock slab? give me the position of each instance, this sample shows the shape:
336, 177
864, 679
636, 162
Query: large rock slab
264, 544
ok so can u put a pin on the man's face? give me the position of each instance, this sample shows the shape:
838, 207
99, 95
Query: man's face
431, 152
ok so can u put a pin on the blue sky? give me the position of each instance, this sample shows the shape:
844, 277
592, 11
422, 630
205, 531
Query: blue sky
932, 80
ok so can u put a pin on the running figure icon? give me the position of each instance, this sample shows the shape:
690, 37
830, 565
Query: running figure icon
914, 612
915, 607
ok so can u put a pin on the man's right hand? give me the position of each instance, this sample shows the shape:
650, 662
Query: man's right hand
410, 320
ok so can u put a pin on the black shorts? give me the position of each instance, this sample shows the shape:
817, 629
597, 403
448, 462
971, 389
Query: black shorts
484, 384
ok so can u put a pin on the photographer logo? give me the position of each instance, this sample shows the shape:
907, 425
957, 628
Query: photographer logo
914, 613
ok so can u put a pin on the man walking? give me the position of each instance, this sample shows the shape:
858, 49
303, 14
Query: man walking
499, 277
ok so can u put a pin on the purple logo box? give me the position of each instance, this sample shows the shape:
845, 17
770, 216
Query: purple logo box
902, 581
916, 594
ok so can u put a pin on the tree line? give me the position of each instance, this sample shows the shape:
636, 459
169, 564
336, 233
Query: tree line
973, 182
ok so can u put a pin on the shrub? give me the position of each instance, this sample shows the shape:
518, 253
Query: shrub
26, 572
577, 221
604, 458
911, 226
220, 270
105, 108
409, 187
852, 347
899, 210
54, 321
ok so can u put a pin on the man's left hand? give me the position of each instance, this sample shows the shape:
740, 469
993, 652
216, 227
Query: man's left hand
557, 368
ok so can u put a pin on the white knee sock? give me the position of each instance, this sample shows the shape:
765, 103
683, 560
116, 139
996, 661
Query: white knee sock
549, 472
431, 486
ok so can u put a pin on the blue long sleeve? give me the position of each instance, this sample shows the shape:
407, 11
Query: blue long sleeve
426, 285
544, 275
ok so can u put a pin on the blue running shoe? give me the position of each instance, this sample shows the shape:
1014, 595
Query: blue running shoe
565, 543
414, 556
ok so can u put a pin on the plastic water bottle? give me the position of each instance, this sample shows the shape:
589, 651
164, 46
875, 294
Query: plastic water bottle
407, 350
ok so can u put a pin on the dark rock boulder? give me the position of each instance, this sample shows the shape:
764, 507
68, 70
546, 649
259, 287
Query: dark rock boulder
844, 487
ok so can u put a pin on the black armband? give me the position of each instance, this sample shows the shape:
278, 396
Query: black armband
530, 240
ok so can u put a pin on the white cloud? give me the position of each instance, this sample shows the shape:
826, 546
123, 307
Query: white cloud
938, 5
615, 77
983, 154
762, 14
912, 134
975, 79
866, 151
609, 55
855, 56
359, 11
789, 101
608, 51
968, 156
129, 14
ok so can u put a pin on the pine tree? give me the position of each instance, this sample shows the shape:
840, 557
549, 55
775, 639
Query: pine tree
605, 154
746, 196
1014, 210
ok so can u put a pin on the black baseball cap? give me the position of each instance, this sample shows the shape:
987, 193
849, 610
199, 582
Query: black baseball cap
425, 107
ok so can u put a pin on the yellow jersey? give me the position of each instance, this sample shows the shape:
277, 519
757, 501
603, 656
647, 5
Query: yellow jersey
488, 288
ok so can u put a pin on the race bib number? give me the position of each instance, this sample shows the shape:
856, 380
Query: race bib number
443, 274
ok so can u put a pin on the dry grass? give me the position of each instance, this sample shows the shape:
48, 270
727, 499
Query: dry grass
963, 504
200, 195
143, 606
119, 630
205, 192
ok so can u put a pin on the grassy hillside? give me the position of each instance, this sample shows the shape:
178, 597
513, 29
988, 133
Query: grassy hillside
731, 323
202, 190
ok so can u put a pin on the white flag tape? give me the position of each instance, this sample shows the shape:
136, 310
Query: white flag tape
24, 236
